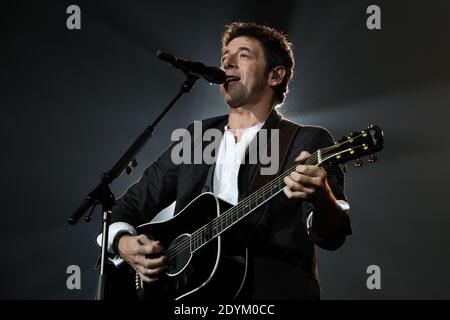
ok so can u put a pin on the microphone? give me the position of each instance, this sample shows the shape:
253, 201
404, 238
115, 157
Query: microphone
210, 74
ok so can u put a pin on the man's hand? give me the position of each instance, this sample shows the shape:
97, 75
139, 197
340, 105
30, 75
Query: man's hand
133, 249
310, 183
307, 182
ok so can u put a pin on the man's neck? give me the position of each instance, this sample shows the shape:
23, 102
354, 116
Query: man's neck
247, 116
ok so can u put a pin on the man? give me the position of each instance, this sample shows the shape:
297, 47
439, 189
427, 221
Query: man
259, 63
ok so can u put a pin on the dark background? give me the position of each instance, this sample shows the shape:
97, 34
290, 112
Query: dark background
72, 101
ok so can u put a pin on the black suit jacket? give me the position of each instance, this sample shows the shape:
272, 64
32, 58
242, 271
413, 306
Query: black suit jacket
283, 258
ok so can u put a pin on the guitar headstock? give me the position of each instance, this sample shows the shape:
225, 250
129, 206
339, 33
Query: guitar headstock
358, 144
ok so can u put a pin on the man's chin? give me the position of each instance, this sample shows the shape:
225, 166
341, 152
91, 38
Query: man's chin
232, 100
232, 103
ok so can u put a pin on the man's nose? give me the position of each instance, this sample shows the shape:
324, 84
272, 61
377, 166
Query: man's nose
229, 62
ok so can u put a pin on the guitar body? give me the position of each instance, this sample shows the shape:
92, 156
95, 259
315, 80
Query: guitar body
208, 273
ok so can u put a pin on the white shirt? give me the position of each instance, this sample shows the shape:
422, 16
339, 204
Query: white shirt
229, 159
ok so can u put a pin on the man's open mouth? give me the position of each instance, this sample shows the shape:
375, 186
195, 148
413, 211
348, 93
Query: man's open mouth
232, 78
229, 80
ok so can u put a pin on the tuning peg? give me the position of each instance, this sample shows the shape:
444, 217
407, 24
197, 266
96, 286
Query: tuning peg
134, 163
358, 163
372, 158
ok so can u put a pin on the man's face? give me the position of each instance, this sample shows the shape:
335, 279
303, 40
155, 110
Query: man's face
244, 59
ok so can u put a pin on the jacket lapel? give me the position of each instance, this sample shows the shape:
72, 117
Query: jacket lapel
199, 172
247, 170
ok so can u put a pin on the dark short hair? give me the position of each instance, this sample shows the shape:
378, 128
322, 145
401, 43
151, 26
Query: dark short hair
277, 49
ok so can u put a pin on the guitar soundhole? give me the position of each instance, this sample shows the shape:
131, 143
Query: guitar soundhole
179, 255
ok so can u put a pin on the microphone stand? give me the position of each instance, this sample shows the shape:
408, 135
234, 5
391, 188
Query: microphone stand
102, 193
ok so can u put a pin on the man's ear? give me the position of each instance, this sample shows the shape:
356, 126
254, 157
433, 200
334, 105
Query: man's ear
276, 76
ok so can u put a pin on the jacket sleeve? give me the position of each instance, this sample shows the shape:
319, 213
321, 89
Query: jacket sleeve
321, 138
155, 190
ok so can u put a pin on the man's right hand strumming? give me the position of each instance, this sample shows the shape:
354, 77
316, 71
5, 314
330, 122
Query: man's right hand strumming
136, 251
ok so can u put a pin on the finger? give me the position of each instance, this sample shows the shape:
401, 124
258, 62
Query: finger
302, 156
153, 272
145, 278
140, 250
153, 280
153, 248
294, 194
136, 246
304, 180
312, 171
155, 263
296, 176
150, 263
139, 260
306, 184
148, 275
140, 270
144, 239
306, 169
291, 184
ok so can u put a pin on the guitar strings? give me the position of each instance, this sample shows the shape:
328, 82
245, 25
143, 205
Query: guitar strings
197, 235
